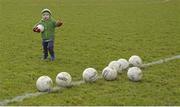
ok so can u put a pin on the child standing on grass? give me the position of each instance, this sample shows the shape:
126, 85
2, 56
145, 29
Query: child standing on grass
49, 24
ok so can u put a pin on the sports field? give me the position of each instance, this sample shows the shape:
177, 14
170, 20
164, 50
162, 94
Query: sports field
94, 33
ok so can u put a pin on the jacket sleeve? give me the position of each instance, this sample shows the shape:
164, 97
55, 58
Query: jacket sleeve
54, 22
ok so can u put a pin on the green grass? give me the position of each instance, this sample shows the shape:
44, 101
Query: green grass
94, 33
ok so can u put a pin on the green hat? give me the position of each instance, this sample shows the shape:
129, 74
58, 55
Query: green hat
46, 10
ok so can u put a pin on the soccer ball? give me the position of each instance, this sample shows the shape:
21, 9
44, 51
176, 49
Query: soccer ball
63, 79
114, 65
109, 73
134, 74
123, 64
90, 75
44, 83
41, 27
135, 60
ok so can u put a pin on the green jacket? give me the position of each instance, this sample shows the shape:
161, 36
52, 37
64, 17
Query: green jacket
49, 29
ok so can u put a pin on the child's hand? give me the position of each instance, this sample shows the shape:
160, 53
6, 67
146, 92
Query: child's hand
59, 23
36, 29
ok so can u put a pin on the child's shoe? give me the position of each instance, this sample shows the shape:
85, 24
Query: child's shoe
52, 58
45, 57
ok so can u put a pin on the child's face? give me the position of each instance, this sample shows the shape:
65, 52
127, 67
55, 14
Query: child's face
45, 15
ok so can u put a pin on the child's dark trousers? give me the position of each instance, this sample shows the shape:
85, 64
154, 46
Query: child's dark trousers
48, 46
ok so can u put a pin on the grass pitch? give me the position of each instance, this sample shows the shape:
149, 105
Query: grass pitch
94, 33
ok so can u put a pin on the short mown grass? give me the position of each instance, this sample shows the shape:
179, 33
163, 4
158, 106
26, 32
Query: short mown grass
94, 33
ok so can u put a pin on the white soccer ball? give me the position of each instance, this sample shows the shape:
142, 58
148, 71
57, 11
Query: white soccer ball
44, 83
134, 74
123, 64
109, 73
41, 27
63, 79
114, 65
90, 75
135, 60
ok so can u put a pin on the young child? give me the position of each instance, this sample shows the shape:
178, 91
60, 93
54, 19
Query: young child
47, 35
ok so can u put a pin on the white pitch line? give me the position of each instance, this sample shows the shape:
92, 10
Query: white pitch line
165, 1
161, 61
30, 95
76, 83
21, 98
